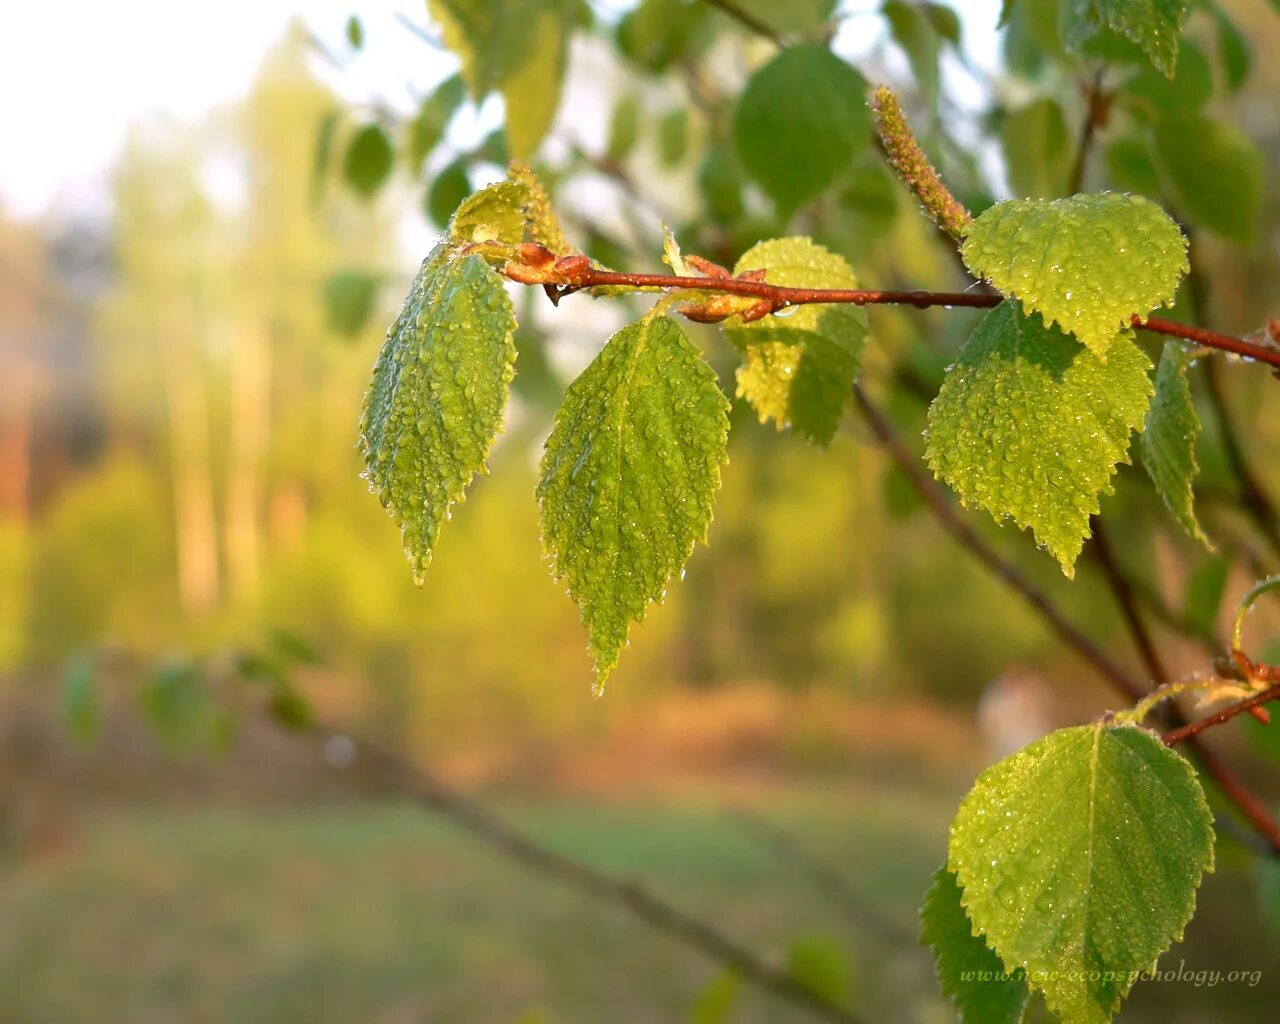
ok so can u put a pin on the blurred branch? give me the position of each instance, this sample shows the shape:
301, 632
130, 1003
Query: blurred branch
1253, 809
861, 912
1002, 569
503, 837
748, 21
1125, 598
1253, 497
1095, 116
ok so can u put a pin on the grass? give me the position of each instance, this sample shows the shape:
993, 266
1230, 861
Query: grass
381, 913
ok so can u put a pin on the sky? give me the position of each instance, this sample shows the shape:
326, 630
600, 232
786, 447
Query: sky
75, 73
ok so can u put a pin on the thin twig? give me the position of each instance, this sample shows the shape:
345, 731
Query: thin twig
1250, 806
1186, 732
1100, 548
1253, 809
509, 841
782, 297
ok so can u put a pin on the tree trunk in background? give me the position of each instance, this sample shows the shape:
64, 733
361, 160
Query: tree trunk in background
250, 429
15, 447
195, 530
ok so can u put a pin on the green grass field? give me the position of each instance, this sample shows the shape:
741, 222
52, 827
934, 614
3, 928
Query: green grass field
381, 913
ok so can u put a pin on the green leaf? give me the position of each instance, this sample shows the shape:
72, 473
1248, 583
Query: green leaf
717, 1000
1130, 165
446, 193
945, 21
81, 701
541, 224
349, 296
1154, 25
428, 127
177, 702
799, 368
471, 30
912, 30
673, 136
720, 181
628, 477
969, 972
1088, 262
1214, 173
820, 965
803, 17
1029, 424
515, 46
496, 213
531, 85
323, 153
1038, 149
1202, 598
800, 122
355, 33
1079, 858
659, 32
368, 160
1189, 89
624, 127
1234, 53
438, 394
1169, 439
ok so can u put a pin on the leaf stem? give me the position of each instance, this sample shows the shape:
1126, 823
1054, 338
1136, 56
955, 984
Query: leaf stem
1247, 602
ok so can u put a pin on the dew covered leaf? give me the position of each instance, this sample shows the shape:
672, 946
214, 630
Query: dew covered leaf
1087, 262
495, 213
969, 972
798, 368
1154, 25
800, 122
1169, 439
1079, 858
438, 393
1029, 424
628, 477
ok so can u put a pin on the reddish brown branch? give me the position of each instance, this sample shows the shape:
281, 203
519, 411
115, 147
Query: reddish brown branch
1192, 729
781, 297
1250, 806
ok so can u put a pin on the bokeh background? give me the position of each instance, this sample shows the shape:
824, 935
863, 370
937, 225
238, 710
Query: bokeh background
194, 281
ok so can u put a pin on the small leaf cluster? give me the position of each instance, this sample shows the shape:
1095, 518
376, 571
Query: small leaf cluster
634, 458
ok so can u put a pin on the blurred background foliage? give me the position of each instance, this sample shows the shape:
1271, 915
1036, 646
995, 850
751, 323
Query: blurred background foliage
182, 379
